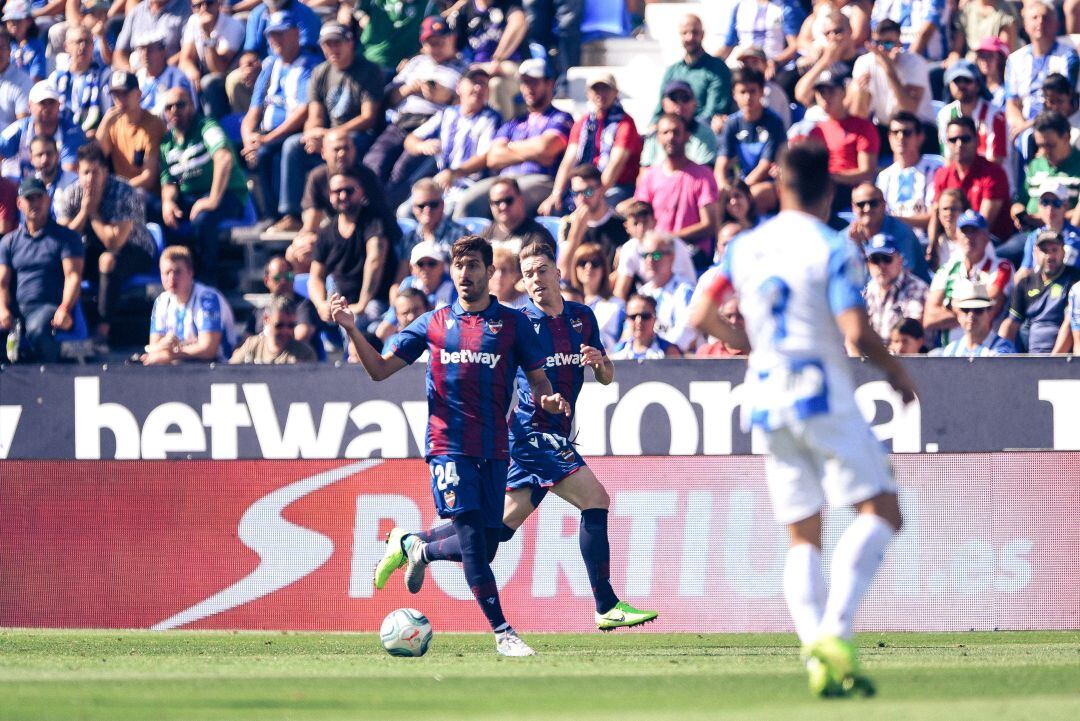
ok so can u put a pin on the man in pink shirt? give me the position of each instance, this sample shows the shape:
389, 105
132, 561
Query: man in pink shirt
682, 193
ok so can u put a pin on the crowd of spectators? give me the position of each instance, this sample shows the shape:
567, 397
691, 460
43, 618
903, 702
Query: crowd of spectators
134, 134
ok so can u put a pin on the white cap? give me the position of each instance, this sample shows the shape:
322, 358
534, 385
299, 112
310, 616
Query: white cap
602, 77
17, 10
426, 249
1055, 187
969, 295
42, 91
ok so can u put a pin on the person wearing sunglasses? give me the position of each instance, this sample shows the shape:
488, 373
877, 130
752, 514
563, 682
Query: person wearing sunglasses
591, 276
433, 222
604, 137
593, 221
965, 85
983, 182
908, 184
1051, 214
276, 344
512, 226
671, 294
890, 78
641, 341
893, 292
278, 277
922, 25
975, 261
429, 275
202, 184
872, 218
974, 314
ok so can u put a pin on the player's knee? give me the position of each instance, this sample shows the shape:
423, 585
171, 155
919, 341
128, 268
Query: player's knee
598, 498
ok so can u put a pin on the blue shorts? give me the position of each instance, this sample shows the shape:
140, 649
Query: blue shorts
465, 483
541, 460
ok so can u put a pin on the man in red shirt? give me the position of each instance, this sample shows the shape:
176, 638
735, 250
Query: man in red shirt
983, 183
853, 142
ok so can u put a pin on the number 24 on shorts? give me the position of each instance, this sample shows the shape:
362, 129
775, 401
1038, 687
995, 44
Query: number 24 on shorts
445, 475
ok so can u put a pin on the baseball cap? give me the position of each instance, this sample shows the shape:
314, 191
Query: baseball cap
971, 219
122, 81
426, 249
42, 91
537, 68
993, 45
154, 37
602, 77
432, 26
17, 10
31, 185
1055, 188
830, 80
475, 71
677, 86
883, 244
334, 31
281, 20
969, 295
1049, 236
961, 69
749, 51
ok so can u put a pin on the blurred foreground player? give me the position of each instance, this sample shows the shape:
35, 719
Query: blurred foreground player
799, 284
475, 347
541, 456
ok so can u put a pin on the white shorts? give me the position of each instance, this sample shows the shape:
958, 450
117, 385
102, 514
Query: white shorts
828, 457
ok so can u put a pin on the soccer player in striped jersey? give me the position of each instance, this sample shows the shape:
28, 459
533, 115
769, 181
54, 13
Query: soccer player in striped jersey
542, 458
475, 345
799, 287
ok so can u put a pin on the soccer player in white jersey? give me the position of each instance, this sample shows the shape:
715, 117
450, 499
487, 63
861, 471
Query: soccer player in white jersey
798, 284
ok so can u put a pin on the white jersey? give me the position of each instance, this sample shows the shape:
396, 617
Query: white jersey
793, 275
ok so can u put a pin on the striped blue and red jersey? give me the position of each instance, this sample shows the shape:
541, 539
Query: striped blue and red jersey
561, 338
470, 376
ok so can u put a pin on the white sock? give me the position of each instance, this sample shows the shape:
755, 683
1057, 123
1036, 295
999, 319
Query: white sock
858, 554
804, 589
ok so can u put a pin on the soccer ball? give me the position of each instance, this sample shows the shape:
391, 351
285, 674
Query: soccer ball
405, 632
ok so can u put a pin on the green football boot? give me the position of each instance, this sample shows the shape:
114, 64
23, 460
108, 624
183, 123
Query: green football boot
841, 658
393, 558
820, 683
623, 615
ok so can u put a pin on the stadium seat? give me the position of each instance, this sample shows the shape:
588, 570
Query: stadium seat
474, 225
231, 125
551, 224
146, 279
300, 285
250, 217
75, 343
604, 19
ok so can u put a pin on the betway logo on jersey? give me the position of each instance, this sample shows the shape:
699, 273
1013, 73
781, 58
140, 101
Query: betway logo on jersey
469, 356
556, 360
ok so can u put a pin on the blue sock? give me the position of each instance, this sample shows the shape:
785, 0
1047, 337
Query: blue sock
474, 540
592, 537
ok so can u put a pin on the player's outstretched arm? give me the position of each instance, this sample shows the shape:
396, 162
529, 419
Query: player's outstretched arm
378, 366
542, 392
705, 316
603, 368
857, 332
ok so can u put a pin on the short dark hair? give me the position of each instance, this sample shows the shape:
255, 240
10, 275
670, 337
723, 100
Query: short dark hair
965, 122
472, 244
804, 171
639, 207
587, 171
747, 76
538, 247
46, 139
91, 153
508, 182
673, 117
909, 327
907, 117
887, 26
347, 173
414, 294
647, 299
1053, 121
1057, 83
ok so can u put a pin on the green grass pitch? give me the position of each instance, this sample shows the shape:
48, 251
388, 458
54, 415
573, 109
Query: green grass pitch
74, 675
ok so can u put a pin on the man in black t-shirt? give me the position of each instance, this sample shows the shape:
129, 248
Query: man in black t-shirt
1039, 300
593, 220
354, 252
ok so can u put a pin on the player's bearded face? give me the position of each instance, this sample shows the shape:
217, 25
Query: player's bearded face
470, 277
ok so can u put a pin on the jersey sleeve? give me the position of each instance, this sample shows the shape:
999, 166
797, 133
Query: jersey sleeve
208, 316
527, 351
157, 316
721, 287
214, 137
1018, 303
846, 277
411, 341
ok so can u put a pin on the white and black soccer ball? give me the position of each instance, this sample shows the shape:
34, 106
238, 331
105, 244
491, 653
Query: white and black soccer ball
405, 632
